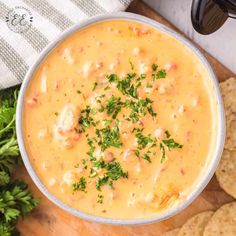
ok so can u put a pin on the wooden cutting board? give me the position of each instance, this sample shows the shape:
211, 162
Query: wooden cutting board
49, 220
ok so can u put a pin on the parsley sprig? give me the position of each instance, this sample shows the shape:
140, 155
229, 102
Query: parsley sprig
15, 198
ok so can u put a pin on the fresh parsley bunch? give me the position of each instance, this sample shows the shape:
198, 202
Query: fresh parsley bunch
15, 198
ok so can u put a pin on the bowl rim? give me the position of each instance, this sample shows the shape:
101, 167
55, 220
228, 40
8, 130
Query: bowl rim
203, 181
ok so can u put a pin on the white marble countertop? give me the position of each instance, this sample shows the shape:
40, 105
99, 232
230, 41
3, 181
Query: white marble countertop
221, 44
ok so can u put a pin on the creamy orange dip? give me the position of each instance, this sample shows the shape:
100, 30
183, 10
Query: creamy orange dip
118, 120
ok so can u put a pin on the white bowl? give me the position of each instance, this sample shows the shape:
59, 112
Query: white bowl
207, 175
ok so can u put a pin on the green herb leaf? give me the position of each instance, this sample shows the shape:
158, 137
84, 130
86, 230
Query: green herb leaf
15, 199
113, 106
91, 149
154, 67
142, 140
161, 74
112, 78
109, 137
95, 86
8, 229
86, 120
115, 171
146, 157
100, 199
84, 163
137, 152
170, 143
131, 64
163, 157
101, 181
4, 178
140, 107
93, 173
80, 185
167, 134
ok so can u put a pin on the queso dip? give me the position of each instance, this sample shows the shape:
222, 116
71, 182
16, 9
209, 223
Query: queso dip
118, 120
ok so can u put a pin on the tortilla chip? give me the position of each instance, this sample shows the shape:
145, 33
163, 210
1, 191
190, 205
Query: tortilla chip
226, 172
230, 140
228, 90
195, 226
173, 232
223, 222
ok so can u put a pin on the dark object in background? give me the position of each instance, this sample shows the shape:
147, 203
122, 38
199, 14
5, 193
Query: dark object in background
209, 15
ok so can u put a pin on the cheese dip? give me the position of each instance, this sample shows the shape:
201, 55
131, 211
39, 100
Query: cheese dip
118, 120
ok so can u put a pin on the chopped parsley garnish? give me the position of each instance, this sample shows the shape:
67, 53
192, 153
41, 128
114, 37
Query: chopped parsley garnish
140, 107
86, 119
78, 91
101, 181
107, 134
170, 144
76, 165
108, 137
100, 198
141, 77
163, 151
94, 86
91, 149
137, 152
107, 87
106, 122
114, 172
56, 113
167, 134
125, 86
142, 140
146, 157
131, 64
112, 78
154, 67
113, 106
93, 173
99, 164
84, 163
161, 74
80, 185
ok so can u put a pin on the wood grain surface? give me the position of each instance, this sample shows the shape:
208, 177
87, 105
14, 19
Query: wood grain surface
49, 220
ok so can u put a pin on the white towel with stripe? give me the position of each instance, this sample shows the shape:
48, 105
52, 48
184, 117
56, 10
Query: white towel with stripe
27, 26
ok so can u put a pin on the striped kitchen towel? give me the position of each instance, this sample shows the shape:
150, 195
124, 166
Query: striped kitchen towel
27, 26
